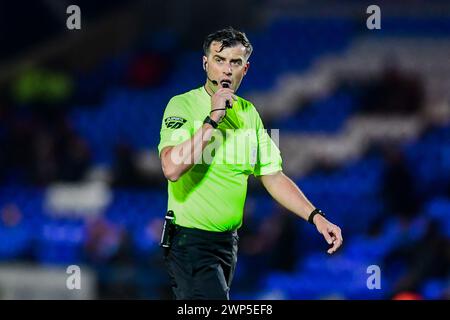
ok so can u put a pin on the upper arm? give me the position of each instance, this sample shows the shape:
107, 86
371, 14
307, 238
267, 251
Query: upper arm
269, 179
177, 124
268, 159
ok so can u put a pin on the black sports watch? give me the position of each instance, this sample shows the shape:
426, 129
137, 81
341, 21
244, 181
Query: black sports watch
311, 216
211, 122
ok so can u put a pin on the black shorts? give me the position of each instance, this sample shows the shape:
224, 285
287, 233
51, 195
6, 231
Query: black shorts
201, 263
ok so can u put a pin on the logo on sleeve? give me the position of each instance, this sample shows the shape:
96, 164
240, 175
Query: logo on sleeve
174, 122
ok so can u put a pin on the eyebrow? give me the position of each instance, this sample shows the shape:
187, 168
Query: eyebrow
223, 58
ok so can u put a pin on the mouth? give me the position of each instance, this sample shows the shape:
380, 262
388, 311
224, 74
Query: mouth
225, 83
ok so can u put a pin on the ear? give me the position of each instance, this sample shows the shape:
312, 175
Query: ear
246, 67
205, 62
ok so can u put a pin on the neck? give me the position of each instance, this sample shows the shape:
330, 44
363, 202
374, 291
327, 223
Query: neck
208, 89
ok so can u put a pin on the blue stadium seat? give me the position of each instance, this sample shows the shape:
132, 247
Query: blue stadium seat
326, 115
439, 209
434, 289
60, 242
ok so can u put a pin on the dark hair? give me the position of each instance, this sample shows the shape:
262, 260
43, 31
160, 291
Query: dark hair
229, 37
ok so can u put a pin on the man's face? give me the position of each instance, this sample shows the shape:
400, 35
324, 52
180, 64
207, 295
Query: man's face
229, 65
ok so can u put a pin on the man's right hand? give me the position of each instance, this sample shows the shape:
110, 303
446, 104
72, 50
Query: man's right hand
218, 101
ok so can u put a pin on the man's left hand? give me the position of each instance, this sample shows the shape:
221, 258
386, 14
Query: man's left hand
331, 232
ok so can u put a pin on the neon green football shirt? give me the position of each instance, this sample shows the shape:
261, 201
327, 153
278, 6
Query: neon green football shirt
211, 195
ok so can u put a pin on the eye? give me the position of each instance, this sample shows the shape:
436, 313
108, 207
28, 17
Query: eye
237, 63
218, 60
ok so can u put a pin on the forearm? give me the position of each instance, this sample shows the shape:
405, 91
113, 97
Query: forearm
288, 194
178, 159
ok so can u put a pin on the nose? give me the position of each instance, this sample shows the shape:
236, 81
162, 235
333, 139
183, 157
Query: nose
227, 70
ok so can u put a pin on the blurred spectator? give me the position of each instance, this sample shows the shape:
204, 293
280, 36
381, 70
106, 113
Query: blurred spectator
280, 232
272, 247
407, 296
3, 140
398, 184
44, 168
42, 87
146, 70
41, 149
396, 91
108, 249
11, 216
152, 278
103, 242
423, 259
15, 237
147, 237
125, 171
75, 158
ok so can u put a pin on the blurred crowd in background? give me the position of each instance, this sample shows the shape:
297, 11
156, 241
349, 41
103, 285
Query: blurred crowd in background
364, 120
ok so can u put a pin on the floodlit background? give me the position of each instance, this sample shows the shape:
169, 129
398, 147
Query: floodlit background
364, 121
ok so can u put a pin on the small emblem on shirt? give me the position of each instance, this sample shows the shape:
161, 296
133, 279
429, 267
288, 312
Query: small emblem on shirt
174, 122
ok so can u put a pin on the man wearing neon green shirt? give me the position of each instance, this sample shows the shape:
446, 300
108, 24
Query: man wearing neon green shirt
211, 141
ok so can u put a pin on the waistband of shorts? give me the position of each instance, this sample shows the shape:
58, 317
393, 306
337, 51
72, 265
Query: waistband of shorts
207, 233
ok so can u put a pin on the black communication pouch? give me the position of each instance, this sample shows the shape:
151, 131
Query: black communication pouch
168, 230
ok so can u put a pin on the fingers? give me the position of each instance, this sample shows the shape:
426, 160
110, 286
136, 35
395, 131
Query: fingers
335, 233
327, 237
222, 95
220, 90
229, 97
228, 94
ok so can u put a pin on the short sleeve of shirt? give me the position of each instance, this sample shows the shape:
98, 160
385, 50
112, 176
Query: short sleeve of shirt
268, 159
177, 124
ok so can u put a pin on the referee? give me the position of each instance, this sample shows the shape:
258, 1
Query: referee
211, 141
